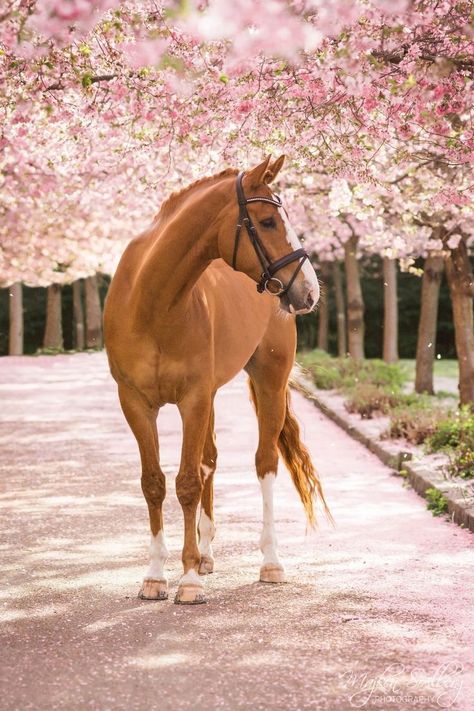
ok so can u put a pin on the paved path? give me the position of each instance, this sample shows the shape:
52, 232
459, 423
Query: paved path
377, 612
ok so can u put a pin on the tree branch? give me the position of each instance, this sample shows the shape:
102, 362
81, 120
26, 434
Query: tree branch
398, 57
92, 80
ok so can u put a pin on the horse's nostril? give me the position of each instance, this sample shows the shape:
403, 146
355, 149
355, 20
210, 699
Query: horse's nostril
309, 303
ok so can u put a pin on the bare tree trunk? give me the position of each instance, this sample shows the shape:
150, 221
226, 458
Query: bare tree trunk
15, 337
323, 310
460, 280
53, 334
340, 311
78, 312
390, 308
427, 326
355, 302
93, 313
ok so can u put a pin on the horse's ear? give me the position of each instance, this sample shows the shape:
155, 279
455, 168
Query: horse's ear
273, 170
256, 176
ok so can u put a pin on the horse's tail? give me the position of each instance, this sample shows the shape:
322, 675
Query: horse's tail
298, 462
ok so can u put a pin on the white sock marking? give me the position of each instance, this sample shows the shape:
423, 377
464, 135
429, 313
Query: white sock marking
191, 578
268, 541
158, 557
207, 531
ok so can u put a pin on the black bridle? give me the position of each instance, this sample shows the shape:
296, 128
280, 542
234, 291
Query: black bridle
269, 268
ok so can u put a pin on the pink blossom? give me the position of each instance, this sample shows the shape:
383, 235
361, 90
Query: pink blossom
145, 52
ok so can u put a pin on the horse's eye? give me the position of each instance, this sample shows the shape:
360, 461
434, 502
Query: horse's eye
268, 223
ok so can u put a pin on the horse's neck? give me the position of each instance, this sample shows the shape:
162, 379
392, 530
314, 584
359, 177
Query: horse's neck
183, 245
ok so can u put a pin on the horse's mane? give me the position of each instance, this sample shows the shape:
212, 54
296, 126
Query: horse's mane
170, 202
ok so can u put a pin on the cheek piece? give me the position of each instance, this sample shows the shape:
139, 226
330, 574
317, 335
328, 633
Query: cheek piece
268, 281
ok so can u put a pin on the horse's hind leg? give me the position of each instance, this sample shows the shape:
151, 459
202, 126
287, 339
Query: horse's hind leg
142, 421
269, 369
206, 526
270, 406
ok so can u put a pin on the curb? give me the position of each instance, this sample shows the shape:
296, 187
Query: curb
420, 474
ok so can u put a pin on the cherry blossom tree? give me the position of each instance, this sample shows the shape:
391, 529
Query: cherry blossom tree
108, 105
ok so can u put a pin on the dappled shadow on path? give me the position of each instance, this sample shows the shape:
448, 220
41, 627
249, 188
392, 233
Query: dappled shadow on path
388, 585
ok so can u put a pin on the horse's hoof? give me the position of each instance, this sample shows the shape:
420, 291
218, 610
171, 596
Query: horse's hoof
154, 590
206, 565
272, 573
190, 595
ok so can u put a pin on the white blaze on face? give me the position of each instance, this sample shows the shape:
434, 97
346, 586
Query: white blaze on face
268, 541
311, 280
158, 557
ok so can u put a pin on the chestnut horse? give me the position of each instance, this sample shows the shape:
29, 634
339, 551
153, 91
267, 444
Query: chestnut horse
182, 318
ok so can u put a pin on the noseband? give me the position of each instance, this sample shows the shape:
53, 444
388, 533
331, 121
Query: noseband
270, 268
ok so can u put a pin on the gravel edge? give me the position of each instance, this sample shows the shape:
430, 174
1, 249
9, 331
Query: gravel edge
422, 475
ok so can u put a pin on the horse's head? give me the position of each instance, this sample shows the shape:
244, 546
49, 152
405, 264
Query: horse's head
257, 239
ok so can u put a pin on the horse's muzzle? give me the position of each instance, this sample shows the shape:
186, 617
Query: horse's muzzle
298, 305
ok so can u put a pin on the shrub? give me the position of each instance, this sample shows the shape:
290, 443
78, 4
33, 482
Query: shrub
437, 504
385, 374
462, 462
415, 420
322, 368
347, 373
455, 435
454, 431
326, 378
367, 399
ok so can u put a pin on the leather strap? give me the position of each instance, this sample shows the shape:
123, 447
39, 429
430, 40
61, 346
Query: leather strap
269, 268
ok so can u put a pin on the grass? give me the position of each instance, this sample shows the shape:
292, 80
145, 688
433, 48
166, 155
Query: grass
345, 373
367, 400
372, 388
415, 418
455, 436
443, 368
437, 504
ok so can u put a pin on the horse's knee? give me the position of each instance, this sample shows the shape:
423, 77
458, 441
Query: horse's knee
154, 487
188, 489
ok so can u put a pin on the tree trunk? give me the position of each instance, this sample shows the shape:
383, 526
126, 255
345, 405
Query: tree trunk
340, 311
461, 288
355, 302
323, 310
390, 309
78, 312
93, 314
15, 338
53, 334
427, 326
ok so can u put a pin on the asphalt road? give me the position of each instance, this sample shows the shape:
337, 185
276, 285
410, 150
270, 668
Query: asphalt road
377, 612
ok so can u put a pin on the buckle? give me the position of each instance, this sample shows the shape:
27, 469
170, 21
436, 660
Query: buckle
276, 290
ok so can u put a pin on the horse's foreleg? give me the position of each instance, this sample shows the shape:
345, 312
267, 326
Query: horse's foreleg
270, 405
142, 421
206, 526
195, 412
